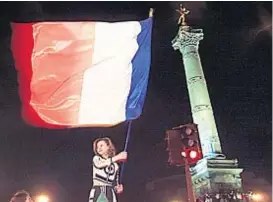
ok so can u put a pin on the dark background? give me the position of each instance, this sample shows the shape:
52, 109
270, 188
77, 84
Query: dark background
236, 56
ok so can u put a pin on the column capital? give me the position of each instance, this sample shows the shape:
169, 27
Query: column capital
187, 38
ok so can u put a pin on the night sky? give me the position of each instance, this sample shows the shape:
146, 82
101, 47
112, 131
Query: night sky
236, 58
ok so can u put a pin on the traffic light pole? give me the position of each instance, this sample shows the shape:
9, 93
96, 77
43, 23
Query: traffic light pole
189, 181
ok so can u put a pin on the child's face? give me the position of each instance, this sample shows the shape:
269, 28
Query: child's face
102, 148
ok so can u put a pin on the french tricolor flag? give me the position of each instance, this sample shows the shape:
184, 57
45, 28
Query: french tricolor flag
82, 74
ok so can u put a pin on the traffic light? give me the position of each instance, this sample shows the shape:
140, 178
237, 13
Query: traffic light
174, 148
183, 142
190, 141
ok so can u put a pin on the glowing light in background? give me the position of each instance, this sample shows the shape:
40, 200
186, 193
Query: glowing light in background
257, 197
42, 198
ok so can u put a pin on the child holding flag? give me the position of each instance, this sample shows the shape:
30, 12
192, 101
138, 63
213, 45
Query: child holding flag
105, 171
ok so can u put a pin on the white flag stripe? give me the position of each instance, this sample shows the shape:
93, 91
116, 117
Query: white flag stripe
106, 83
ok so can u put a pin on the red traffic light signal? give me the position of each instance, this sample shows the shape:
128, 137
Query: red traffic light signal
192, 154
188, 153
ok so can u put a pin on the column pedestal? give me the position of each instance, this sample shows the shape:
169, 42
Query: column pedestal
214, 175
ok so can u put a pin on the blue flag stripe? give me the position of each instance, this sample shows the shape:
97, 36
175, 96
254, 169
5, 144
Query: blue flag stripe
140, 71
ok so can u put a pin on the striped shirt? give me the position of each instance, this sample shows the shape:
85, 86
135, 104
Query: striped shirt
107, 176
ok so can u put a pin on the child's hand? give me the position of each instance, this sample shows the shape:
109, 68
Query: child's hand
122, 156
119, 188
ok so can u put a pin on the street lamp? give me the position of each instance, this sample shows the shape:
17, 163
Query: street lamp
42, 198
257, 197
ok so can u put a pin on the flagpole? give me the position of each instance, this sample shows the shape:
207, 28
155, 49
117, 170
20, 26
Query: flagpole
126, 145
128, 135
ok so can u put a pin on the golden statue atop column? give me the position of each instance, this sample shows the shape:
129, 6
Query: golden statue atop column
183, 13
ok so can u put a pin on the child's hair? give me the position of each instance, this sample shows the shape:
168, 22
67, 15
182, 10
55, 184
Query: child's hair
112, 149
21, 196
